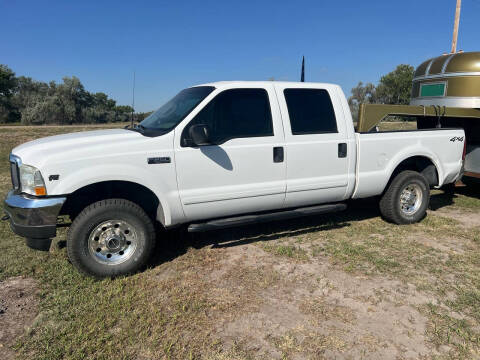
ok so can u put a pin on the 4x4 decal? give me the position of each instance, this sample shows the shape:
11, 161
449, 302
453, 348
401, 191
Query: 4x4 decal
457, 138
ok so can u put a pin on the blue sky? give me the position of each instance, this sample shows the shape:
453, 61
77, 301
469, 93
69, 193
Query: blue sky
175, 44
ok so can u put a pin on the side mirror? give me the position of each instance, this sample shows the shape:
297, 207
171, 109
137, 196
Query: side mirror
200, 134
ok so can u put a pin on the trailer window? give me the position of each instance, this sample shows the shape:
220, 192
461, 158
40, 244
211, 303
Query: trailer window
310, 111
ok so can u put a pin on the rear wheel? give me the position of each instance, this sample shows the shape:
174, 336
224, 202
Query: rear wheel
110, 238
406, 199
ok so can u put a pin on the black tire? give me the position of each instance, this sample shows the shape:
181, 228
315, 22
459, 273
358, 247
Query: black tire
91, 220
391, 204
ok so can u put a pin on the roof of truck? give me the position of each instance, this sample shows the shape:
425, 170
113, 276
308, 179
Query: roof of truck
236, 83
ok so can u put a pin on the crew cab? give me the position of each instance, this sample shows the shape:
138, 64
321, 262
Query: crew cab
217, 155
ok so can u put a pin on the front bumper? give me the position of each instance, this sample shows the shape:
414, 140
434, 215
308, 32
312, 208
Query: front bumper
33, 217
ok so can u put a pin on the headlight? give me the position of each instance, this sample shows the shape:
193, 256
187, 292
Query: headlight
31, 181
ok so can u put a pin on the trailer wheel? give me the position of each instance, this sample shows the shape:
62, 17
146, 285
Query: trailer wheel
110, 238
406, 199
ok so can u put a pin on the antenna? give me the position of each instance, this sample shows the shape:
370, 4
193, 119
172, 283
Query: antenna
302, 77
133, 97
455, 27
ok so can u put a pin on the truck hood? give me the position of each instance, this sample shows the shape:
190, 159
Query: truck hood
71, 146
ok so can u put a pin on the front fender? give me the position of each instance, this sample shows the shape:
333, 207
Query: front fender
165, 192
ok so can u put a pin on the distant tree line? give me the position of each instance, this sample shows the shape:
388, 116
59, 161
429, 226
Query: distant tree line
393, 88
32, 102
28, 101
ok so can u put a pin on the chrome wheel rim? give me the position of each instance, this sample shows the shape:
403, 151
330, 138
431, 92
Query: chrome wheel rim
112, 242
411, 199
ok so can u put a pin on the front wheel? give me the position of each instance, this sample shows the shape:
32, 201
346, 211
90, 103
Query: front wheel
406, 199
110, 238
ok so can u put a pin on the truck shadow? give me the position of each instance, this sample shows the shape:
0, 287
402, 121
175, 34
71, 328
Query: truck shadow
438, 201
446, 198
174, 243
471, 190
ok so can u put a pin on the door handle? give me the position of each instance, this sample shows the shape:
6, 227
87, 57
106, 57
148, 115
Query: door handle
278, 154
342, 150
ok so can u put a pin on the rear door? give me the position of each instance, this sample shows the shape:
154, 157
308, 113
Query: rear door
238, 174
316, 143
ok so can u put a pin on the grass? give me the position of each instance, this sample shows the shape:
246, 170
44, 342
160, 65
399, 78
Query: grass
173, 309
397, 125
445, 330
290, 251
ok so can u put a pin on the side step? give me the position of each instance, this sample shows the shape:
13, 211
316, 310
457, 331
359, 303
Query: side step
260, 218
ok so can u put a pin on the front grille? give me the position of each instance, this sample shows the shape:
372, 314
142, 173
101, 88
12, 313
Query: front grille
14, 173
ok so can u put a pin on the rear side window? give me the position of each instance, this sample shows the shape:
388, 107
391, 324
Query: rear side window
310, 111
236, 113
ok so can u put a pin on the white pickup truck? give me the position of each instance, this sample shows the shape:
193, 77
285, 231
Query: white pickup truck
219, 155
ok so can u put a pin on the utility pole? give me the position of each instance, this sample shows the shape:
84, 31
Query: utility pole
133, 98
455, 27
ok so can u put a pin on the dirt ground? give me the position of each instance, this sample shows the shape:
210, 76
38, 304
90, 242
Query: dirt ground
18, 309
326, 312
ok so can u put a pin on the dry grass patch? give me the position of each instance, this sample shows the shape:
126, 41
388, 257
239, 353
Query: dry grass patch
287, 250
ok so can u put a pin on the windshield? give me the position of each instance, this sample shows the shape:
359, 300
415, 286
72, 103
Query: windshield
175, 110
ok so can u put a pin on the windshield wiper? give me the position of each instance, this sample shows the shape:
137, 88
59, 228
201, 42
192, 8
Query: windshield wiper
136, 127
146, 131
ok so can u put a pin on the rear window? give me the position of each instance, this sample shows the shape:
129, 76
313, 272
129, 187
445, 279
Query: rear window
310, 111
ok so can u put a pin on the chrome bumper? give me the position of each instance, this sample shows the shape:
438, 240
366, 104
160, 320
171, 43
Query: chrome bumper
33, 217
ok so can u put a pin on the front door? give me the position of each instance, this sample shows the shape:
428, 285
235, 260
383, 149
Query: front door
238, 172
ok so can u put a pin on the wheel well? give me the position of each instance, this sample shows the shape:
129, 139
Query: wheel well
89, 194
421, 164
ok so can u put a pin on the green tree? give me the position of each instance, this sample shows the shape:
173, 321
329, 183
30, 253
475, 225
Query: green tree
124, 113
124, 109
35, 102
361, 94
8, 83
101, 99
28, 90
44, 110
141, 116
396, 86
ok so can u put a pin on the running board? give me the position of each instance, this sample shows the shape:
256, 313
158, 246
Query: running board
260, 218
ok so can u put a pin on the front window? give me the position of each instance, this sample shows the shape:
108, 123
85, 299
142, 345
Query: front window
174, 111
235, 113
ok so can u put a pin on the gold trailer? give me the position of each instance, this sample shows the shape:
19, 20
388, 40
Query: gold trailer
445, 93
451, 80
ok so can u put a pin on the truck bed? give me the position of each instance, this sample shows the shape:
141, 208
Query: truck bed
379, 153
